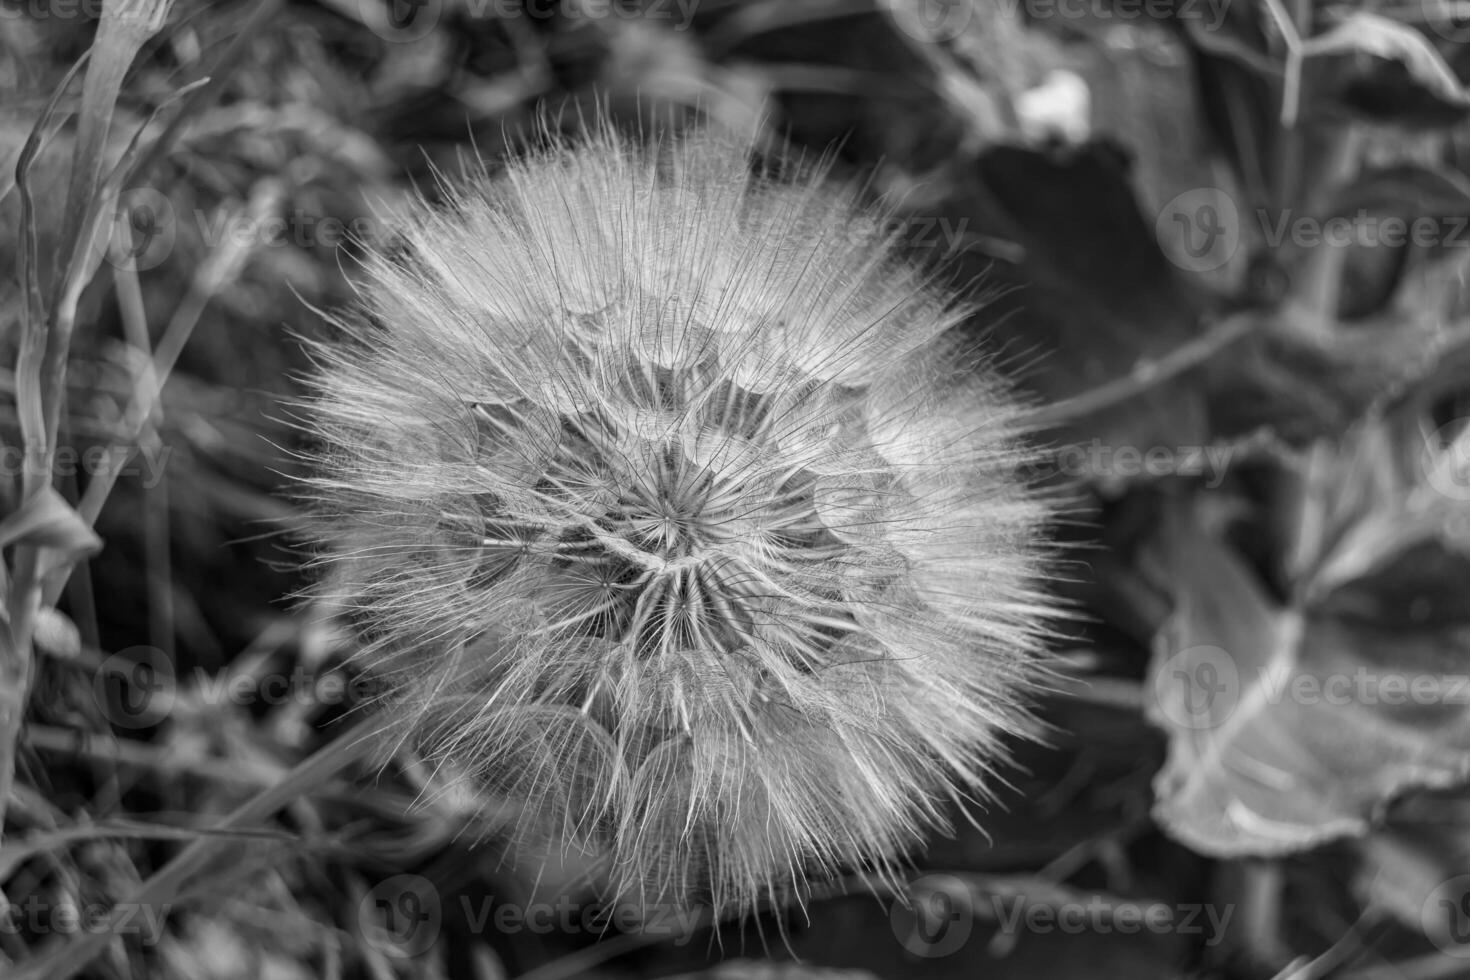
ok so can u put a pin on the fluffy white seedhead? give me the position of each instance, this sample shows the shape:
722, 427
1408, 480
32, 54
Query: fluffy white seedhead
665, 509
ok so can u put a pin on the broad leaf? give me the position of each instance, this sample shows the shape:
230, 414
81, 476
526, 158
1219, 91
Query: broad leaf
1294, 720
1389, 71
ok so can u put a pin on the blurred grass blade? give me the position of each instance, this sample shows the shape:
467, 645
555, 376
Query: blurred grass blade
22, 589
33, 311
110, 60
126, 25
46, 520
15, 853
1364, 33
222, 265
166, 884
91, 246
41, 568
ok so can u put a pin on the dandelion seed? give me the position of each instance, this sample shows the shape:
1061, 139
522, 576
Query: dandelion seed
659, 499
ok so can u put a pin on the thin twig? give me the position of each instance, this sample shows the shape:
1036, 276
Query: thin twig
1148, 374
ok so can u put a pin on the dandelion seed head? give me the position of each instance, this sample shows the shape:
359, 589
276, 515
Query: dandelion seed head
653, 488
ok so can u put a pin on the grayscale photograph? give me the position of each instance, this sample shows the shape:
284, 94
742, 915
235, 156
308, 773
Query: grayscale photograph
735, 489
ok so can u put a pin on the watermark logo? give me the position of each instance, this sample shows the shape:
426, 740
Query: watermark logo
401, 916
143, 230
1445, 917
135, 688
1445, 460
931, 20
1449, 19
1197, 688
400, 21
938, 918
1199, 230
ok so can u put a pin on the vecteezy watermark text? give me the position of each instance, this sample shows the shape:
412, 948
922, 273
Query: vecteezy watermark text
146, 462
139, 687
1209, 13
946, 235
402, 916
36, 917
1126, 462
405, 21
1201, 229
1103, 916
944, 20
1201, 686
943, 911
1445, 916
